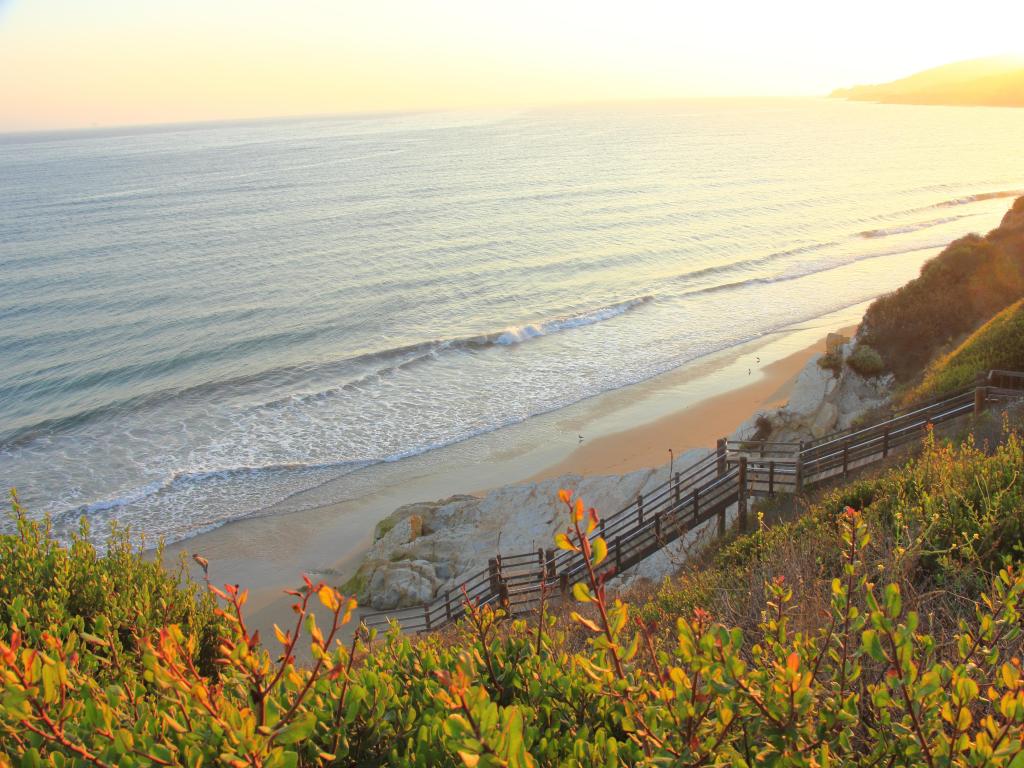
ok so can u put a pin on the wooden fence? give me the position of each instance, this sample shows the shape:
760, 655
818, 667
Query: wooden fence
732, 474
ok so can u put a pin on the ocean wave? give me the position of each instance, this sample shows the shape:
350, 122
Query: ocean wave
979, 197
519, 333
415, 354
785, 278
906, 228
177, 479
384, 362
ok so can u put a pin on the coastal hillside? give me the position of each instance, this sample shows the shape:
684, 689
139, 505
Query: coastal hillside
970, 281
880, 627
998, 344
996, 81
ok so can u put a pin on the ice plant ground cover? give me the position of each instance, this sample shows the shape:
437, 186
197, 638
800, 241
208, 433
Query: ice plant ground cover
884, 629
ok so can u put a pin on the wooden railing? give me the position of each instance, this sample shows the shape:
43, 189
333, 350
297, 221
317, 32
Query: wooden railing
684, 501
732, 474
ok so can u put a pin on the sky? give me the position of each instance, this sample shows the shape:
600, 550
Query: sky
84, 63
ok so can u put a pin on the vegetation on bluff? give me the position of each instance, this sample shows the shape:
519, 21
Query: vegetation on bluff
884, 637
965, 285
999, 344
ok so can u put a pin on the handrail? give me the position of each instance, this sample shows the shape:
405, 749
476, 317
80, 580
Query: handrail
666, 511
837, 437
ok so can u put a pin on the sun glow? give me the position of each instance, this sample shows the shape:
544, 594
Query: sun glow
68, 63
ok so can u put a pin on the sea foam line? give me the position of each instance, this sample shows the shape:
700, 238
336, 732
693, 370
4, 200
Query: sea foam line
906, 228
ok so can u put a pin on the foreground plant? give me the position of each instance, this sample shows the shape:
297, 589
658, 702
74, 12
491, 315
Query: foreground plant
868, 688
864, 684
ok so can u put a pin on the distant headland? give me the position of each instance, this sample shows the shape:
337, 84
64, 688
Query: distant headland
997, 81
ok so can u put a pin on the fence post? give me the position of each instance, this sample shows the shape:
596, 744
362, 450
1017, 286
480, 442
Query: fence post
696, 503
720, 452
742, 501
503, 592
426, 615
640, 508
885, 442
563, 584
657, 527
542, 564
771, 478
846, 458
980, 394
798, 471
493, 574
677, 489
549, 566
618, 554
448, 605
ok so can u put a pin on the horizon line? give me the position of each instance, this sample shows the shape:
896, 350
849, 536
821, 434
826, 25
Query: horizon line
216, 121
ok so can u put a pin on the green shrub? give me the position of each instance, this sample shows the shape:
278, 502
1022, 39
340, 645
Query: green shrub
965, 285
997, 344
830, 668
49, 588
831, 361
866, 361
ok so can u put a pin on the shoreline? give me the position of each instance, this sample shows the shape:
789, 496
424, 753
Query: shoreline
701, 401
702, 424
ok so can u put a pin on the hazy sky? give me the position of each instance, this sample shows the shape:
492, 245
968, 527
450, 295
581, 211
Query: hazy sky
71, 63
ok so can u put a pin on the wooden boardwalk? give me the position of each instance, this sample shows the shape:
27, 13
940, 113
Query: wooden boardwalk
704, 491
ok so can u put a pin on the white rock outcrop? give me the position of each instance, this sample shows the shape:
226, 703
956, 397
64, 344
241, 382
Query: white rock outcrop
822, 401
422, 549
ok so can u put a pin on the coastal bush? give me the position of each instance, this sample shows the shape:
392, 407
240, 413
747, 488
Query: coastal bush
940, 524
49, 588
829, 640
999, 344
866, 361
970, 281
831, 361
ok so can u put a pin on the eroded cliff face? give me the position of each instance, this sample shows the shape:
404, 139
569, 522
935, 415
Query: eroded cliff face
823, 400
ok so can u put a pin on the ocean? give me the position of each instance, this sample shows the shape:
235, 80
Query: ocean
199, 322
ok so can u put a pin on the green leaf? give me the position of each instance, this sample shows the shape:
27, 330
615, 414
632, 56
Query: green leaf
298, 729
872, 645
893, 603
562, 542
600, 550
582, 592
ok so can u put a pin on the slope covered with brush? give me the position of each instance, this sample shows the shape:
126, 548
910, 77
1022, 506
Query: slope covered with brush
970, 281
883, 637
998, 344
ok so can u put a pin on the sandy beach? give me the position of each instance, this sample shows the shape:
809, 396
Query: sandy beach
697, 426
623, 430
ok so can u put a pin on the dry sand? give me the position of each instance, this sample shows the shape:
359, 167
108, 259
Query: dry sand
698, 426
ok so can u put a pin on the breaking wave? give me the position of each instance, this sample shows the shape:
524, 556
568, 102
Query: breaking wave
979, 197
904, 229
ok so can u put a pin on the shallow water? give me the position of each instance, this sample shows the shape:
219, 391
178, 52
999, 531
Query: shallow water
197, 322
